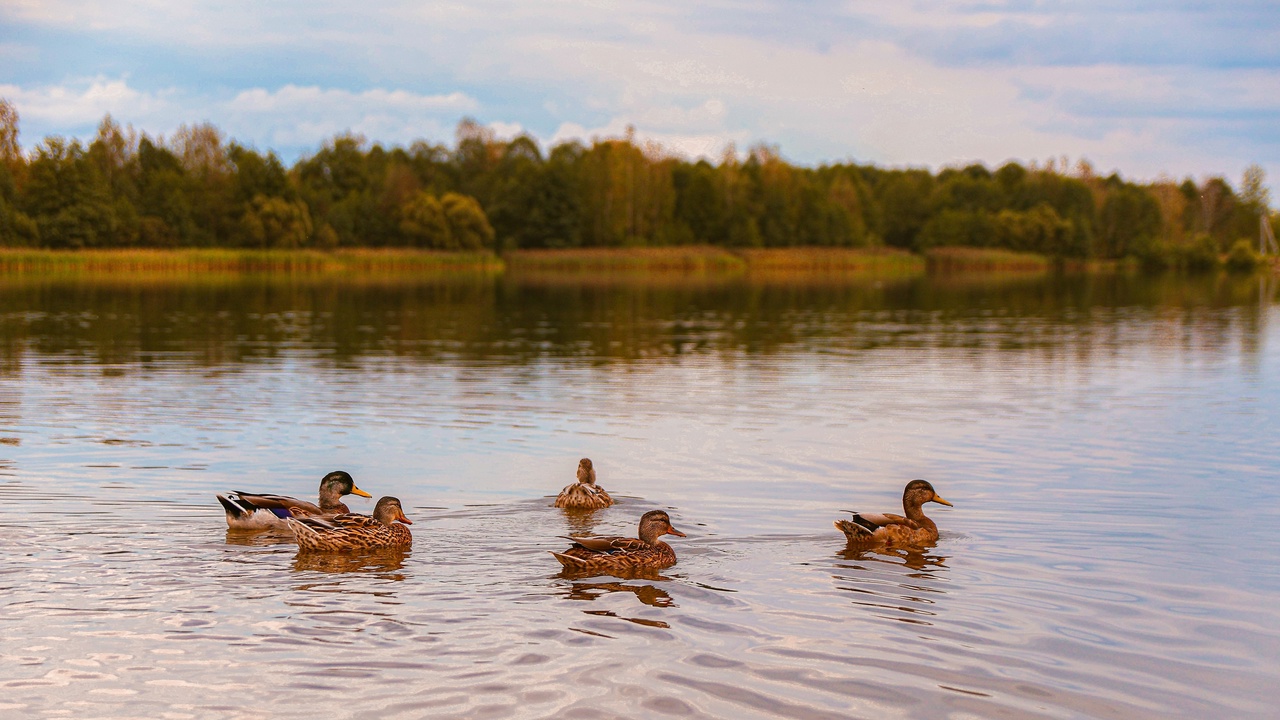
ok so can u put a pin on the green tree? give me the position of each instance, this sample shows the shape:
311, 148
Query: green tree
903, 196
164, 207
273, 222
1129, 221
468, 226
555, 206
423, 221
68, 198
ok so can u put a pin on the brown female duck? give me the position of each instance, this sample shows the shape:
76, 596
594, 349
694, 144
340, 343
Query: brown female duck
611, 554
867, 529
584, 494
342, 533
260, 511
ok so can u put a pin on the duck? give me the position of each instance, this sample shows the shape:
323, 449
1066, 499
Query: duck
262, 511
584, 494
869, 529
611, 554
350, 531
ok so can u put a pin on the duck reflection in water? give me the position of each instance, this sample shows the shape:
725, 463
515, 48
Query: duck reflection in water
581, 522
258, 538
647, 594
900, 584
387, 560
908, 557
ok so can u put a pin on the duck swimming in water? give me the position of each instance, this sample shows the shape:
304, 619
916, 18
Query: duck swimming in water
344, 533
612, 554
584, 494
869, 529
260, 511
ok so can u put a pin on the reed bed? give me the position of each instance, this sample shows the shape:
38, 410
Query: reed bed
687, 259
965, 259
214, 261
877, 262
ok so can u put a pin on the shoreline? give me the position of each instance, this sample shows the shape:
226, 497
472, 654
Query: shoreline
683, 261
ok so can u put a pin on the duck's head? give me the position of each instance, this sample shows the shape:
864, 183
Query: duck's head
341, 482
919, 492
586, 473
656, 523
388, 510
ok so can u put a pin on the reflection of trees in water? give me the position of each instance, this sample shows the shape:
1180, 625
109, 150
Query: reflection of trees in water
512, 322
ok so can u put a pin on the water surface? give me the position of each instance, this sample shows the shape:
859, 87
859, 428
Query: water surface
1108, 442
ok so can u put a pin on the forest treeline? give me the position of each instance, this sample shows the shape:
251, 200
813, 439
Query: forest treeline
197, 189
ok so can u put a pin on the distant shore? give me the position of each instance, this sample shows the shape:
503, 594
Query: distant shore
683, 260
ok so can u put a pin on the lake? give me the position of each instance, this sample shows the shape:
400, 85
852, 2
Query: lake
1109, 444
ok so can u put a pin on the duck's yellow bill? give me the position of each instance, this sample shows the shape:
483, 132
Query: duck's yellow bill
357, 491
938, 499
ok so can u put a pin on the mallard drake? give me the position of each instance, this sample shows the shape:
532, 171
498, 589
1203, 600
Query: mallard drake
342, 533
258, 511
623, 553
585, 494
886, 529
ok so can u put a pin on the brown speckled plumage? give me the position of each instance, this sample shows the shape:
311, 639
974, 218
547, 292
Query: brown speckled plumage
584, 494
263, 511
606, 554
344, 533
870, 529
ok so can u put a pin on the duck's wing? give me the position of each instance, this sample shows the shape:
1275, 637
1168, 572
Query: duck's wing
874, 521
608, 544
281, 505
332, 523
354, 521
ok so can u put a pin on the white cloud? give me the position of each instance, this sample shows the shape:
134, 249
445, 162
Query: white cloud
83, 103
708, 146
1141, 86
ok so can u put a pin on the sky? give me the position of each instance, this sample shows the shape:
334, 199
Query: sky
1148, 88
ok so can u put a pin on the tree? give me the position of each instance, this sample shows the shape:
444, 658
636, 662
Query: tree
10, 150
1129, 222
273, 222
164, 207
68, 198
423, 222
468, 226
1253, 189
904, 200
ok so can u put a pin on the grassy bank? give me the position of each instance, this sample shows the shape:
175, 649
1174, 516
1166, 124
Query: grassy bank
199, 261
801, 263
684, 259
966, 259
879, 262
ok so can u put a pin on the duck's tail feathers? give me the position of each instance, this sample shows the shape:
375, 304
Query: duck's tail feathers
233, 508
852, 530
570, 562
